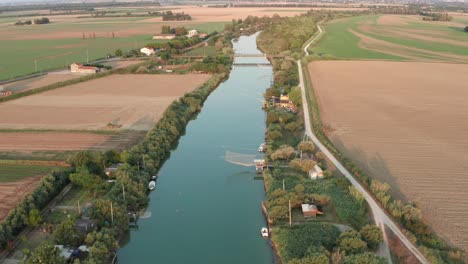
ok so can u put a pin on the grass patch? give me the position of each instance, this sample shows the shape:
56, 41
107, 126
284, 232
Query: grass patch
203, 51
37, 155
338, 42
11, 173
293, 242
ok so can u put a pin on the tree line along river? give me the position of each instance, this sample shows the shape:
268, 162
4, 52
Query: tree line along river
205, 209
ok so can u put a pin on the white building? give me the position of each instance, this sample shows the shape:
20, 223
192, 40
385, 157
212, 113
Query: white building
148, 51
192, 33
316, 173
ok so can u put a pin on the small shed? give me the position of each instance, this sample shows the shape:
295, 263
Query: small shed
316, 173
86, 225
112, 169
310, 210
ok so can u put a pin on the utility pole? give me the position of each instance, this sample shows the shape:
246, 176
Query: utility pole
123, 191
112, 214
290, 218
283, 185
87, 55
79, 208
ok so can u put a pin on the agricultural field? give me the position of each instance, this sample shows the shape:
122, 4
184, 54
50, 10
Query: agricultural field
30, 141
11, 193
79, 37
393, 37
134, 102
415, 137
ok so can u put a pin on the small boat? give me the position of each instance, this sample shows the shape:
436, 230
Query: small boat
264, 232
152, 185
154, 177
262, 147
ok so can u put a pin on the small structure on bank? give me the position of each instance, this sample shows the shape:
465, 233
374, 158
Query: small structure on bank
316, 173
110, 171
86, 225
281, 102
192, 33
148, 51
259, 165
310, 210
80, 68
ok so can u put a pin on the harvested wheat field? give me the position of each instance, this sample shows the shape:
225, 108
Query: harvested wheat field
134, 102
404, 123
12, 193
65, 141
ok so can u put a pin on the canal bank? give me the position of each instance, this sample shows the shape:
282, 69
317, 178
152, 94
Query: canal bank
205, 209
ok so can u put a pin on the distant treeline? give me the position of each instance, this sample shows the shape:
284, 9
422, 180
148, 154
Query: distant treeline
428, 16
169, 16
40, 21
74, 6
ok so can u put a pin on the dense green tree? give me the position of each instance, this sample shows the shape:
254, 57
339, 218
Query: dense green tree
118, 53
34, 218
350, 242
365, 258
302, 165
306, 146
314, 259
101, 245
372, 235
45, 253
85, 179
285, 152
66, 234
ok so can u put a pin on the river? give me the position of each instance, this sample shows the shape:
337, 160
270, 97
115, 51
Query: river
206, 209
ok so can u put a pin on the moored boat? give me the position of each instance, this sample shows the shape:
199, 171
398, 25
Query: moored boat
264, 232
152, 185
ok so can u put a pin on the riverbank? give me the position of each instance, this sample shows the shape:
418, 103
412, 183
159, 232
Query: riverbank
205, 204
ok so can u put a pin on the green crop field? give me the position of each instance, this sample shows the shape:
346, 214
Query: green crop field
10, 173
338, 42
203, 51
408, 39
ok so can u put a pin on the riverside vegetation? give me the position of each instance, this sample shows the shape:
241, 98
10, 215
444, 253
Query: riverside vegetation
318, 240
87, 174
284, 39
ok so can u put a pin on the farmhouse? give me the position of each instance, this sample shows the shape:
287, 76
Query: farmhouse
164, 36
80, 68
112, 169
192, 33
316, 173
148, 51
4, 93
202, 35
310, 210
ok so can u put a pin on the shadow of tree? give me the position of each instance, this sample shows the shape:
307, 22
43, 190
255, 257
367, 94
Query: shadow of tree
373, 165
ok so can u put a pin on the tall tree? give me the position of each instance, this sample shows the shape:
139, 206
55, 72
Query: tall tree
45, 253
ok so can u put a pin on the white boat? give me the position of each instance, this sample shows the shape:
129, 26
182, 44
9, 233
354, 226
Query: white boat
152, 185
262, 148
264, 232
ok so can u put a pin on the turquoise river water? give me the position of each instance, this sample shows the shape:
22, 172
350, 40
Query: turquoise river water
206, 209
